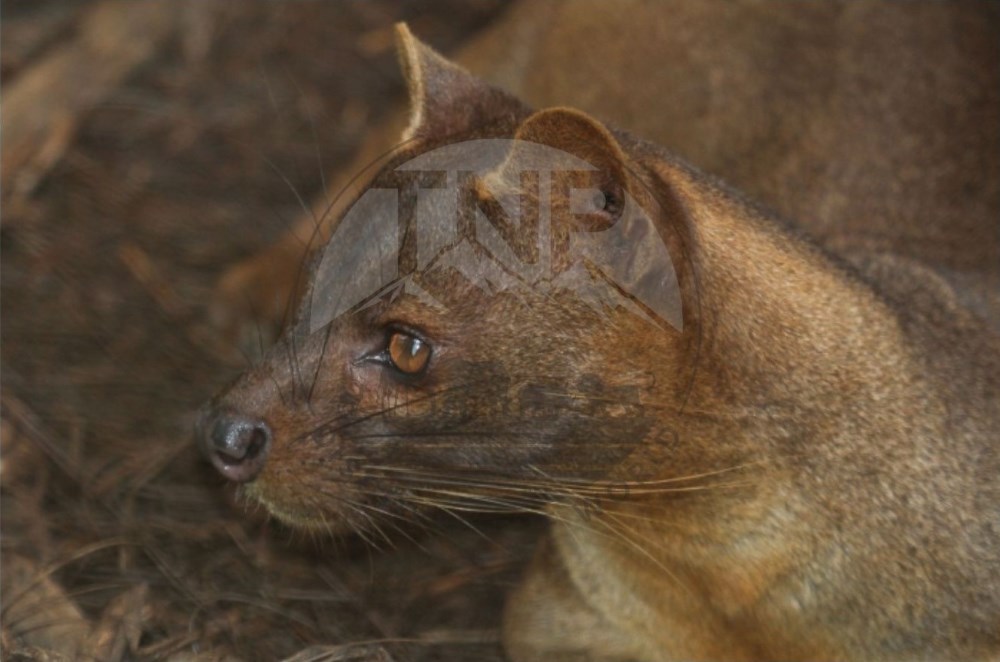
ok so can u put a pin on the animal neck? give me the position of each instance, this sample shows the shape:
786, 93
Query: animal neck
775, 319
795, 367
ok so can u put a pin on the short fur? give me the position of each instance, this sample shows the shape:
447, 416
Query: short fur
809, 469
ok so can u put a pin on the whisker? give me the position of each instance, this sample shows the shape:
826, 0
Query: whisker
423, 478
319, 363
641, 549
358, 506
260, 348
355, 507
291, 187
612, 533
557, 485
450, 501
465, 522
661, 481
399, 529
577, 523
382, 412
316, 144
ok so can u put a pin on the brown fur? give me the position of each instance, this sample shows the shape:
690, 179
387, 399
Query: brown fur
809, 469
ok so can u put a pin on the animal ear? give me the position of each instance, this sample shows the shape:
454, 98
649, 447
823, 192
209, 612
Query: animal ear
445, 99
575, 132
580, 152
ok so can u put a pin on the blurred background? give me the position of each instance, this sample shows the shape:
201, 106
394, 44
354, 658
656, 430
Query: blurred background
147, 146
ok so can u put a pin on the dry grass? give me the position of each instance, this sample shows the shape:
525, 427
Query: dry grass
120, 209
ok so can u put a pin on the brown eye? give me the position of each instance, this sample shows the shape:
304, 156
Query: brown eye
408, 354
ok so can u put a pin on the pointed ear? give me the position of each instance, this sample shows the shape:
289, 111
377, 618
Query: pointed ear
445, 99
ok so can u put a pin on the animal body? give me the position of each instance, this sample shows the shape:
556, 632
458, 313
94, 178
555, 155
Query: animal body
802, 460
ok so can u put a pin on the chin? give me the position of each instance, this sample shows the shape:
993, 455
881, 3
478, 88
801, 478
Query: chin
296, 513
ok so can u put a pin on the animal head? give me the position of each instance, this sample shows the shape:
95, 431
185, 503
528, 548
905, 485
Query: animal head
500, 320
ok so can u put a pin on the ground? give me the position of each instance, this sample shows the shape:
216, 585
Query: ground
143, 154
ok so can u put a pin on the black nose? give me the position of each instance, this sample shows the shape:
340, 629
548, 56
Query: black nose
236, 444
